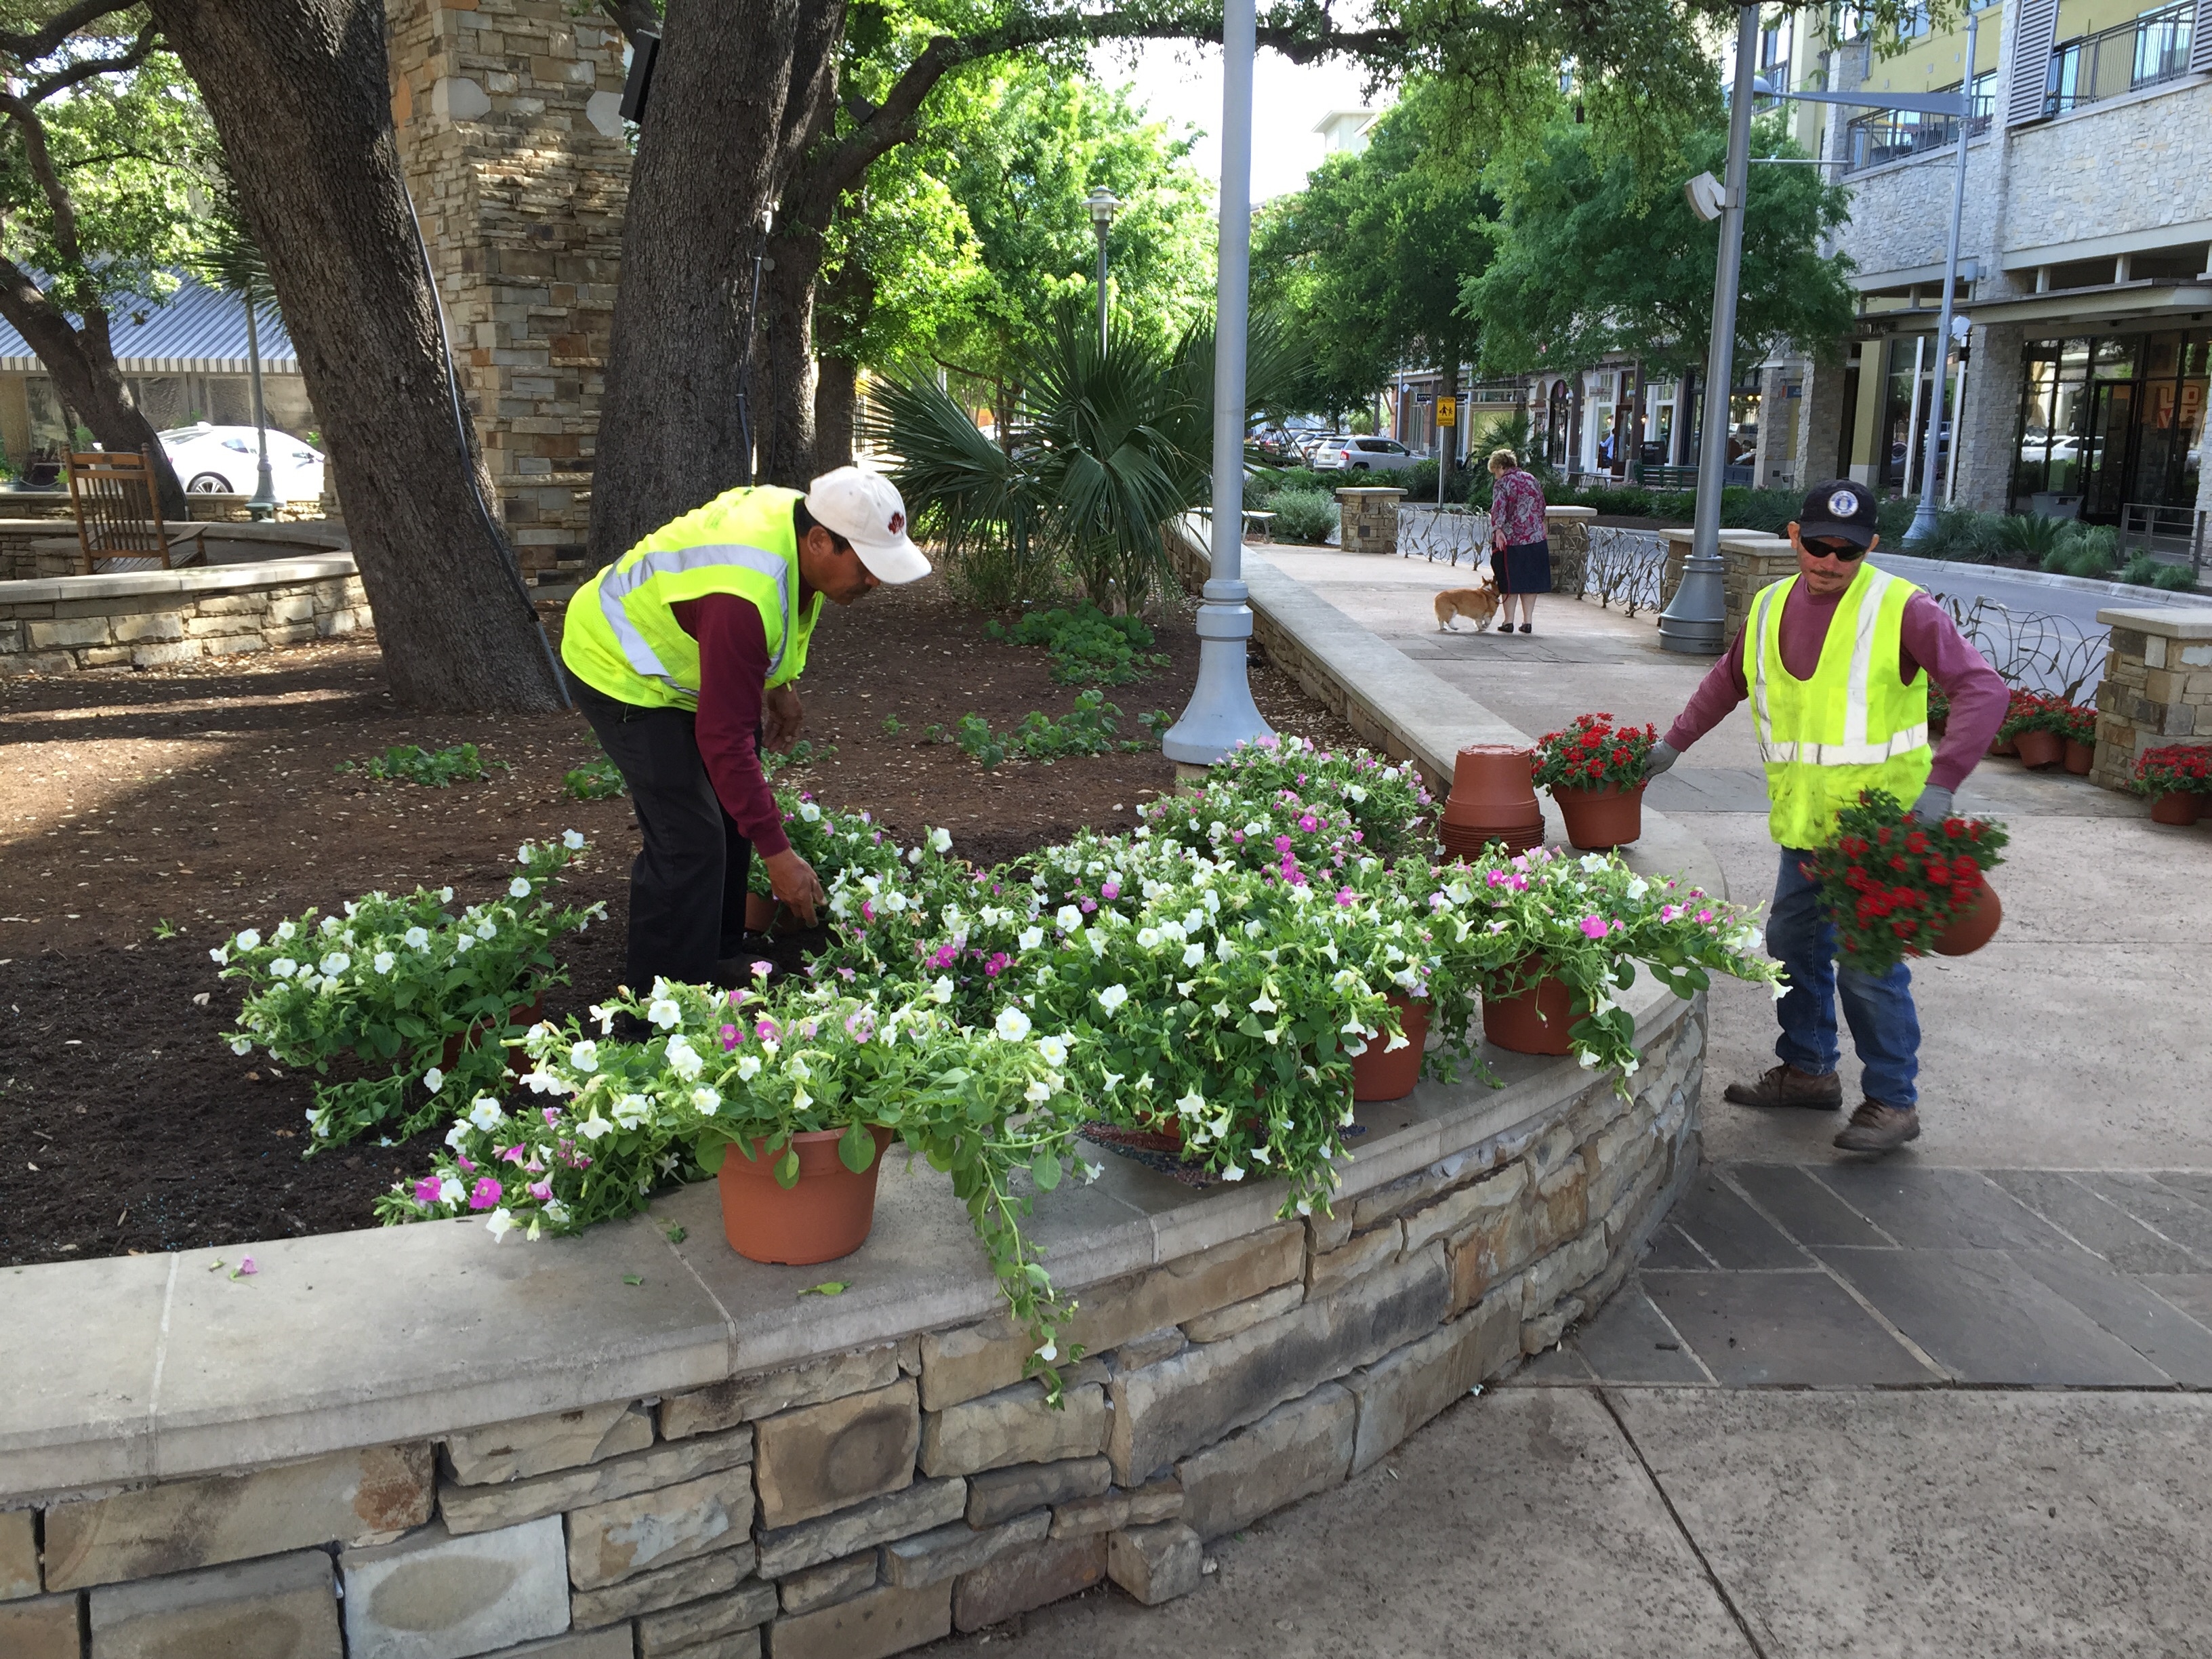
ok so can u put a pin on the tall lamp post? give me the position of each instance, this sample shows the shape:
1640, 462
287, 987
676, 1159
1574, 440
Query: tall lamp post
1693, 619
1103, 203
263, 507
1221, 713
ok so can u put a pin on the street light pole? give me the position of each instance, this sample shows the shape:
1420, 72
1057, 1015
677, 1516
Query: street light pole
1693, 620
263, 507
1102, 202
1924, 515
1221, 713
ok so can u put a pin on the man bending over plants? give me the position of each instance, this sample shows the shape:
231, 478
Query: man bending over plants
686, 652
1836, 661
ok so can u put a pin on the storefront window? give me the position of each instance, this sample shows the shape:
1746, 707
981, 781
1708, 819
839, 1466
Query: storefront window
2111, 423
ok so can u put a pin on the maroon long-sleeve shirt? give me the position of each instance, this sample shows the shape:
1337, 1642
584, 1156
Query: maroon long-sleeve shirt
732, 679
1928, 639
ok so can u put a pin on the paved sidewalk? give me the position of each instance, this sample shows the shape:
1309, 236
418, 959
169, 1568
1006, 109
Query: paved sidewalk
1951, 1403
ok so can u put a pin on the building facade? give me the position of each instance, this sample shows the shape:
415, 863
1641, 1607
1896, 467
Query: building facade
2086, 261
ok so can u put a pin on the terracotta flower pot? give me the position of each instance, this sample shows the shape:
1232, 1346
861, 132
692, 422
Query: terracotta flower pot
1973, 928
2039, 748
2179, 806
2080, 757
1602, 818
1493, 799
528, 1014
1387, 1074
826, 1214
1938, 726
1534, 1023
2003, 747
760, 912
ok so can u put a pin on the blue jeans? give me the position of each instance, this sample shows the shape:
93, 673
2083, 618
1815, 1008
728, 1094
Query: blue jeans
1885, 1026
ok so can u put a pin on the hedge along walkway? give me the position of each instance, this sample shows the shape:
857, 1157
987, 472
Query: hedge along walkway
1800, 1429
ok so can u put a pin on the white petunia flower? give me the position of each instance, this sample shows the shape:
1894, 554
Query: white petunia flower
1030, 938
665, 1013
522, 852
249, 940
284, 931
683, 1060
1012, 1024
630, 1109
940, 841
1055, 1051
573, 839
241, 1045
1068, 918
416, 940
1113, 997
941, 992
1038, 1092
749, 1068
283, 967
454, 1136
329, 926
594, 1127
485, 1114
1049, 1353
337, 962
518, 888
1192, 955
445, 896
382, 962
1150, 937
502, 1223
487, 929
584, 1055
809, 813
450, 1190
1191, 1105
706, 1100
1230, 1172
1263, 1003
434, 1079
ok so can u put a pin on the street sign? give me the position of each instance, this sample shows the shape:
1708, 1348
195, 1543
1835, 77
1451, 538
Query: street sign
1447, 411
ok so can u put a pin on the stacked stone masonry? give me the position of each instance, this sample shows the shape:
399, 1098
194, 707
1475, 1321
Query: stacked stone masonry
507, 113
870, 1501
2156, 689
1367, 519
158, 618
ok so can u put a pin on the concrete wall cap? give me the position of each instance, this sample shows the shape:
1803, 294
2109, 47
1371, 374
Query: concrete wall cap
2187, 624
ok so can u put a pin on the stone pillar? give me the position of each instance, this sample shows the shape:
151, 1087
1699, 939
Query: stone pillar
1568, 531
508, 115
1987, 430
2156, 689
1820, 422
1369, 519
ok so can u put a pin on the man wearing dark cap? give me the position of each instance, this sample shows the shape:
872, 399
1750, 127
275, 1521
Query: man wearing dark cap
1836, 661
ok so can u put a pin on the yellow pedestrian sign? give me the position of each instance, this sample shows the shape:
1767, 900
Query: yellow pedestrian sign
1447, 411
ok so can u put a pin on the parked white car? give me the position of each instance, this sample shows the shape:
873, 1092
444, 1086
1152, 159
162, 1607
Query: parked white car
224, 460
1363, 455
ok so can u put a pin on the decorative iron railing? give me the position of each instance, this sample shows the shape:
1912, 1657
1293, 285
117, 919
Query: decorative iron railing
2140, 52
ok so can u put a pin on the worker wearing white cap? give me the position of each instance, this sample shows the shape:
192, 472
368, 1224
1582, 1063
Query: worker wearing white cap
683, 653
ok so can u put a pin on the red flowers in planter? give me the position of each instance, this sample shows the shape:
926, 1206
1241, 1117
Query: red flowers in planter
1893, 884
1592, 752
2178, 769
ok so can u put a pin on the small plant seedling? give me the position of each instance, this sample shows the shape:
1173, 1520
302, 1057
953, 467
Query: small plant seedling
1156, 721
828, 1288
804, 752
435, 769
595, 780
678, 1234
633, 1279
893, 725
165, 929
1087, 729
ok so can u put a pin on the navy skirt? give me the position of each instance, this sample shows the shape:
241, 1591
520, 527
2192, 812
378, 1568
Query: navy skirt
1524, 568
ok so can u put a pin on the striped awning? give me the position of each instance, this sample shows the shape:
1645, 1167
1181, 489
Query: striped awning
197, 330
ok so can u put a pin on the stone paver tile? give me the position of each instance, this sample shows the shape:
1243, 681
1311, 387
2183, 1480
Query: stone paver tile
1924, 1208
1808, 1212
2095, 1221
2193, 1184
1629, 1341
2176, 1343
1730, 1230
1553, 1367
1988, 1320
1516, 1524
1799, 1329
1670, 1248
2187, 1222
2191, 1293
1945, 1521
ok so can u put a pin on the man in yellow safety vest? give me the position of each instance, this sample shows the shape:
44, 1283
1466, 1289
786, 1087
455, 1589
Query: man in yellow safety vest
683, 655
1836, 662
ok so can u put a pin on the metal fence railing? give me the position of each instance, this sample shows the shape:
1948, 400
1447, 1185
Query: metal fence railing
1895, 135
2180, 534
2031, 650
2140, 53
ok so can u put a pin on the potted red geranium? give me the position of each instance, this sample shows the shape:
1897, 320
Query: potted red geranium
2078, 729
1595, 771
1897, 887
1939, 714
2035, 725
2177, 778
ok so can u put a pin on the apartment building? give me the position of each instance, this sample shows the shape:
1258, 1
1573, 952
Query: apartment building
2086, 251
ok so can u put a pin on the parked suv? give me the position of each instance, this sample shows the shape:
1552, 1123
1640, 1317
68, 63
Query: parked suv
1363, 455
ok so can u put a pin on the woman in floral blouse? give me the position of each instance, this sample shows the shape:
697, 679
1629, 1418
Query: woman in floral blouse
1520, 554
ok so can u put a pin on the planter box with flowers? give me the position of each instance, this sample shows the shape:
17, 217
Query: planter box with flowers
2176, 778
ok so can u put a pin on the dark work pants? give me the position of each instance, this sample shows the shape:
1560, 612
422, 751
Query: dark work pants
687, 887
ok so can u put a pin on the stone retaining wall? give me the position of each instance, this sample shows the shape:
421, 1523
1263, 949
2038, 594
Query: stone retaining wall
144, 620
872, 1499
2157, 688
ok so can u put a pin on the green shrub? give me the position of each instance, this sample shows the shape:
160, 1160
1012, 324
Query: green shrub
2175, 579
433, 768
1301, 515
1088, 729
1419, 481
2031, 533
1963, 534
596, 779
1086, 645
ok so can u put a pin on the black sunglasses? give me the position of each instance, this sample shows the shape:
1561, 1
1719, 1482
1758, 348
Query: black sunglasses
1845, 551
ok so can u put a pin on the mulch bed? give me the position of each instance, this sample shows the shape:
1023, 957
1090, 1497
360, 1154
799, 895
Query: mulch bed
195, 801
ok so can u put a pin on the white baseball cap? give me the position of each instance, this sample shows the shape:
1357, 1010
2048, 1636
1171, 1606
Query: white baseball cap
864, 508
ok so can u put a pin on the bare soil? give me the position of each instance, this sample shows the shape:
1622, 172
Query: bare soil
146, 817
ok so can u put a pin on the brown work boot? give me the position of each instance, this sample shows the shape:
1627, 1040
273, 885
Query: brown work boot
1785, 1085
1875, 1127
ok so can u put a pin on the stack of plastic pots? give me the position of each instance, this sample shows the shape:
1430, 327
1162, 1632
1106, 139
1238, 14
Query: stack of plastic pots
1493, 800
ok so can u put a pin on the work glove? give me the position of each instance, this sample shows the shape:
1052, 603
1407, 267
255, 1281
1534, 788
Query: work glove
1933, 805
1662, 756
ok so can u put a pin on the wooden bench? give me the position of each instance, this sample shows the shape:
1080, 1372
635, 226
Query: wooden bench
118, 515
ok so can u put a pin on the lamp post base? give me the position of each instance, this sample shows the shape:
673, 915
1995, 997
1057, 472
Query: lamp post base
1221, 713
1695, 620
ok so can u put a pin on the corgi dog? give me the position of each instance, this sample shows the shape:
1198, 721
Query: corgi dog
1477, 605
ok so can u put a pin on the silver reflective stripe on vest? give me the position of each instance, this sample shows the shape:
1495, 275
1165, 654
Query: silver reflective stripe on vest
1855, 750
621, 582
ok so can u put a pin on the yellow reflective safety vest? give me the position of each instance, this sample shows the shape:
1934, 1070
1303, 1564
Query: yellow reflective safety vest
1853, 726
622, 636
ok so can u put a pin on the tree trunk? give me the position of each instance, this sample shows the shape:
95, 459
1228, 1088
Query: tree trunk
300, 94
783, 377
848, 302
92, 387
740, 88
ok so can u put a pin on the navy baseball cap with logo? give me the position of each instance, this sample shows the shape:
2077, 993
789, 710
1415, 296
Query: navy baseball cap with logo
1838, 509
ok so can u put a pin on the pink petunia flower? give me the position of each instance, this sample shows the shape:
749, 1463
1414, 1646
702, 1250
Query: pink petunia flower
1109, 891
485, 1193
1592, 928
731, 1038
513, 1154
1343, 896
426, 1190
541, 1191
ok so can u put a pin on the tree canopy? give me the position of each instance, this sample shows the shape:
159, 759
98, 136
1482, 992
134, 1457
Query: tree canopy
1594, 254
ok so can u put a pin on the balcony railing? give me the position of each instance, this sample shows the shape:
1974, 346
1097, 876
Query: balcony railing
1895, 134
2152, 48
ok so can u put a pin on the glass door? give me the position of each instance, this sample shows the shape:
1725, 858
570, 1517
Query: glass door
2104, 452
